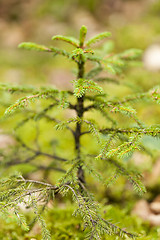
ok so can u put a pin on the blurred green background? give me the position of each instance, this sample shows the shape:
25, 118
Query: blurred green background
134, 24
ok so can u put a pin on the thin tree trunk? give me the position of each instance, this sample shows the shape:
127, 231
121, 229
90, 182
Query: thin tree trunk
80, 110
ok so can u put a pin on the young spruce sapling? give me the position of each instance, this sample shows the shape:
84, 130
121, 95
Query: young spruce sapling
114, 142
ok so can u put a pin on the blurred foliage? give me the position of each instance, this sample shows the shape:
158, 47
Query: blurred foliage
64, 227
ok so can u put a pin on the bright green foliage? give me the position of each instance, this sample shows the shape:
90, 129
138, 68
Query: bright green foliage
22, 102
18, 89
83, 32
98, 38
33, 46
82, 86
115, 140
70, 40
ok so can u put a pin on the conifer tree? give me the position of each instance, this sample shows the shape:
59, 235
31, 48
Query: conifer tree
114, 142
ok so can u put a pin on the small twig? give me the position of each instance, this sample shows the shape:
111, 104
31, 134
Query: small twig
86, 132
40, 152
35, 181
49, 168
